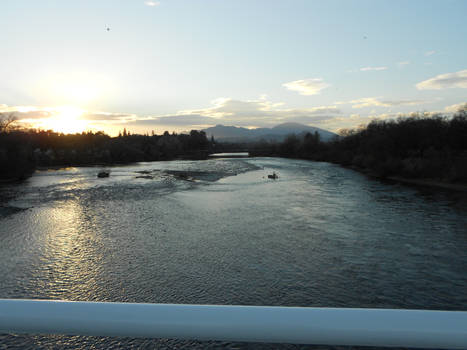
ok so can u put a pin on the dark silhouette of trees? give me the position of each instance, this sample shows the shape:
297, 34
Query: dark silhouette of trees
21, 151
7, 121
291, 146
416, 146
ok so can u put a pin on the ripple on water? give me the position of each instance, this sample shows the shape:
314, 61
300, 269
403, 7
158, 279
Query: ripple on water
320, 235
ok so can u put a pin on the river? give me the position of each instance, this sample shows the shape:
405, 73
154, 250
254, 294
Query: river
220, 232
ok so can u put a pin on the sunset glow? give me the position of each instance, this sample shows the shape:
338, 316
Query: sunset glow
153, 70
66, 120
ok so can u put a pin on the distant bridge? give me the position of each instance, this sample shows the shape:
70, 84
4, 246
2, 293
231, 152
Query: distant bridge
230, 155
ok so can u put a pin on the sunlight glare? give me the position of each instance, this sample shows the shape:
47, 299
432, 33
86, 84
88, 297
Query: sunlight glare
67, 120
75, 89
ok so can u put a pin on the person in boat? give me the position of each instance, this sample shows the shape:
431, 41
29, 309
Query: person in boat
273, 176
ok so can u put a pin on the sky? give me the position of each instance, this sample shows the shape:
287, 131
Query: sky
178, 65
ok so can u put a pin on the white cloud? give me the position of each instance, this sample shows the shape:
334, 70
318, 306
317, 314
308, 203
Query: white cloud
224, 108
365, 69
152, 3
456, 108
30, 113
322, 110
445, 81
187, 120
27, 112
393, 103
252, 113
365, 102
377, 101
108, 117
310, 86
429, 53
403, 63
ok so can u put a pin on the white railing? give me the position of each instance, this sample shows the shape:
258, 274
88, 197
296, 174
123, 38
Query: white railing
300, 325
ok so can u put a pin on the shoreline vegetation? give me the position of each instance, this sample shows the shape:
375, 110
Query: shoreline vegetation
419, 149
24, 151
430, 183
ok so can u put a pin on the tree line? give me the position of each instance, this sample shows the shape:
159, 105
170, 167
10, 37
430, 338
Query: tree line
22, 151
416, 146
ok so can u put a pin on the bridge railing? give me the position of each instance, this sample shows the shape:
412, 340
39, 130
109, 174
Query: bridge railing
299, 325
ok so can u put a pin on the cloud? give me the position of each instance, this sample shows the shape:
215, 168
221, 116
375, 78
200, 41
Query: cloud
403, 63
377, 101
251, 113
393, 103
27, 112
429, 53
321, 110
310, 86
365, 69
33, 115
226, 108
99, 116
152, 3
456, 108
34, 112
308, 120
223, 108
445, 81
177, 120
365, 102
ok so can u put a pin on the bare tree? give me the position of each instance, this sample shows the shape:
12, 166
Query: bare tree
7, 121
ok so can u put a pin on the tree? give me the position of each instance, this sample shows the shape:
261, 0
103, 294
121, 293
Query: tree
290, 145
7, 121
311, 143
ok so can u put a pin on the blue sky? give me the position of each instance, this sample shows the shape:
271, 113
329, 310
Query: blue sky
178, 65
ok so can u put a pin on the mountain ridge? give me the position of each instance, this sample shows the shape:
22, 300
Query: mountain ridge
228, 133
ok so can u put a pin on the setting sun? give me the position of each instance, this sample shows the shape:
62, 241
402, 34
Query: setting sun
67, 120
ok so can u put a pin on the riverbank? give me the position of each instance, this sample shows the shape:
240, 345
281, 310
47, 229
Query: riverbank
429, 183
433, 183
23, 151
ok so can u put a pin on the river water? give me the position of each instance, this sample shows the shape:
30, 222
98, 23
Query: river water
220, 232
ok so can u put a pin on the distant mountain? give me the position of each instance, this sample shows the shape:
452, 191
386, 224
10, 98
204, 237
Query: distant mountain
277, 133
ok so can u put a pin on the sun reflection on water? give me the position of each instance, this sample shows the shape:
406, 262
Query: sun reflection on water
68, 269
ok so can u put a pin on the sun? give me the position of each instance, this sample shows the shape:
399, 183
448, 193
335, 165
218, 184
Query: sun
67, 120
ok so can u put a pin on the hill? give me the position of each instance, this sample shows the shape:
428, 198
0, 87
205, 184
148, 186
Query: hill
276, 133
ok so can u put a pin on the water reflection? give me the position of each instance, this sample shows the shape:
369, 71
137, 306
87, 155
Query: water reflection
320, 235
69, 258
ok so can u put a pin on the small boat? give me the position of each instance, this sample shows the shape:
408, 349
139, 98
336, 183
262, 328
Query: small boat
103, 174
273, 176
